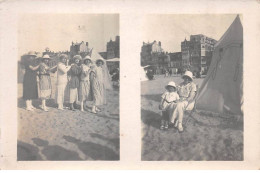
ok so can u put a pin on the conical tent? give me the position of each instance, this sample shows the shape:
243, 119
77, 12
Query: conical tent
143, 76
107, 79
222, 89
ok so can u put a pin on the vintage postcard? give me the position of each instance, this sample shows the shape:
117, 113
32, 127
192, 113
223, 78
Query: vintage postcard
129, 84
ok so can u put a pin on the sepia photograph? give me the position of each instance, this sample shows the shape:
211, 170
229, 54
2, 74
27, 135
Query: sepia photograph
192, 87
68, 87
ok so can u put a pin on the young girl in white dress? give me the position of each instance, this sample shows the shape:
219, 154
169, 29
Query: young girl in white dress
168, 100
84, 89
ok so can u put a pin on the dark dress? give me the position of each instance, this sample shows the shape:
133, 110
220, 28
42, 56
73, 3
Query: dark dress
30, 90
74, 72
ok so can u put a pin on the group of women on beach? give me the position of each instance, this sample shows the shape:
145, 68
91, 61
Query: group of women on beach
85, 78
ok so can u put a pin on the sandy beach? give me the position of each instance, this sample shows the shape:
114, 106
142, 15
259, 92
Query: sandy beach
206, 136
68, 135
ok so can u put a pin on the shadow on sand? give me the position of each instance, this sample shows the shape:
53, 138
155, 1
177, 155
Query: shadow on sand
151, 118
27, 152
114, 141
156, 97
93, 150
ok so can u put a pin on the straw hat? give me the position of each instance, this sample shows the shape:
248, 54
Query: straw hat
46, 56
63, 56
100, 60
38, 55
171, 84
189, 75
32, 53
77, 57
87, 57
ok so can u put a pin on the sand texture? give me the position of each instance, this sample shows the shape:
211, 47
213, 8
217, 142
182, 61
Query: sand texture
206, 136
68, 135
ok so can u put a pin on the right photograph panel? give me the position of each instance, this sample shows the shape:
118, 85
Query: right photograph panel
192, 87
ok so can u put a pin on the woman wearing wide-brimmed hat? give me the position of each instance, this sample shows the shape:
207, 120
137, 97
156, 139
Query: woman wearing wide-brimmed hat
62, 79
30, 89
84, 89
44, 81
186, 90
98, 85
74, 82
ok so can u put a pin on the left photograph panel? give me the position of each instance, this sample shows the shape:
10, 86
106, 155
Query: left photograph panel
68, 87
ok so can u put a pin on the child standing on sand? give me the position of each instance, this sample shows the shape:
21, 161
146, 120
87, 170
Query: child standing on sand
44, 81
168, 100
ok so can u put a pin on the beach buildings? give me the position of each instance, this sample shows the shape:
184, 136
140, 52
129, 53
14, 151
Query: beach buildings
195, 55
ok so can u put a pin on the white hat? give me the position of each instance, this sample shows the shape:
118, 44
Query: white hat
99, 59
77, 57
32, 53
188, 74
171, 84
38, 55
46, 56
87, 57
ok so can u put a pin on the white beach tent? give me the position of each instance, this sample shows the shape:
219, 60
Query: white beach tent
222, 89
107, 79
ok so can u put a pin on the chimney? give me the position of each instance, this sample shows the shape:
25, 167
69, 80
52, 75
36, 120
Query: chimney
160, 44
117, 38
87, 44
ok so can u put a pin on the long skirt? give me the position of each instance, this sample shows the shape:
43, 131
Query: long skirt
98, 93
30, 88
84, 91
45, 86
60, 93
177, 111
73, 95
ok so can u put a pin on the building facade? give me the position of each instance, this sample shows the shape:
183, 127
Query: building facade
113, 48
197, 53
151, 53
79, 49
175, 63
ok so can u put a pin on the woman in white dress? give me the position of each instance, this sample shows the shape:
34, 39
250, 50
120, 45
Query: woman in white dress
84, 88
62, 80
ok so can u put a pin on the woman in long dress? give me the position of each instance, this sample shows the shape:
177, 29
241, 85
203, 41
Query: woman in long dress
98, 86
62, 80
44, 81
84, 90
30, 89
74, 74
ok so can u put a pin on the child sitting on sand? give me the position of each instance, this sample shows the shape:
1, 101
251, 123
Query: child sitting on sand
168, 99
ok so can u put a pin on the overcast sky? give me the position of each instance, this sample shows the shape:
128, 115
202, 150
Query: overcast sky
57, 31
171, 29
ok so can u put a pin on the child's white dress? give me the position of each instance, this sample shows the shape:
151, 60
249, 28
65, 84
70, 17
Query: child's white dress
169, 98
